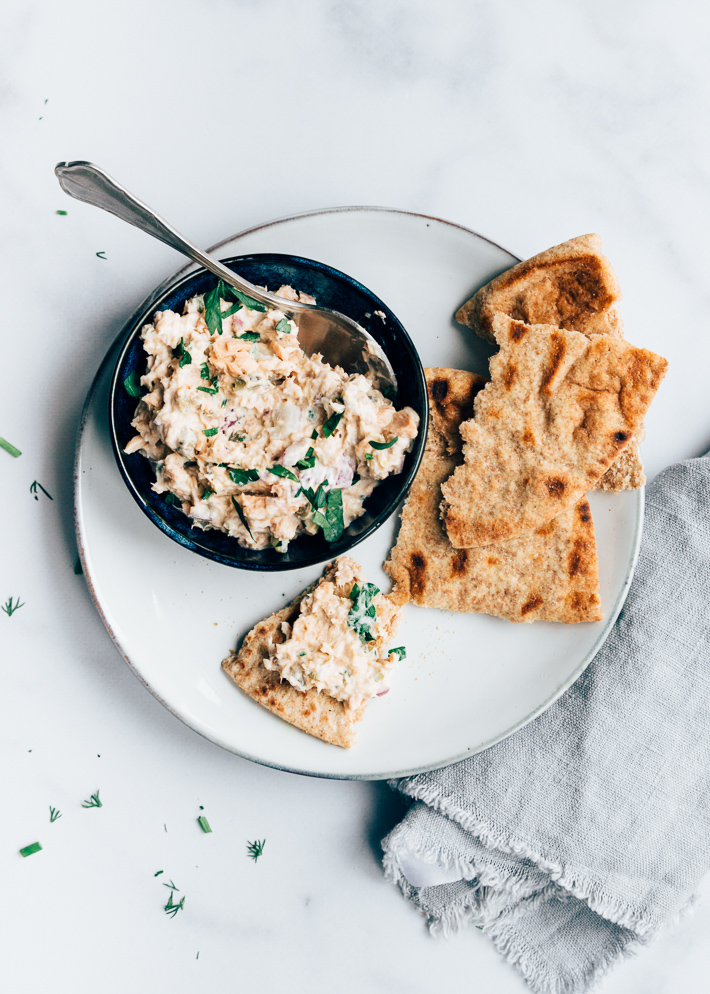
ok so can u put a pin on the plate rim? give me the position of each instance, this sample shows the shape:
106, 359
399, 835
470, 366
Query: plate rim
78, 516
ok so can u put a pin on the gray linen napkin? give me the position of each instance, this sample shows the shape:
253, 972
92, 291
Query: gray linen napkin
589, 829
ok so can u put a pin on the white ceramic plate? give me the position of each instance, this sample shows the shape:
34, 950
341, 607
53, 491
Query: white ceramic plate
468, 680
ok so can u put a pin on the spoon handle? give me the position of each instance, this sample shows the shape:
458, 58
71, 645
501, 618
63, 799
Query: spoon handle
87, 182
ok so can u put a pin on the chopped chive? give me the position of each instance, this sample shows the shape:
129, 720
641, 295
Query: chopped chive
204, 824
212, 390
29, 850
282, 471
158, 873
209, 432
332, 423
205, 371
384, 445
4, 444
243, 476
241, 515
101, 255
308, 461
284, 326
132, 384
61, 212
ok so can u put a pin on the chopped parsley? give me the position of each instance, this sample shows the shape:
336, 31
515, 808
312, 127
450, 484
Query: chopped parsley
29, 850
132, 384
384, 445
314, 433
4, 444
241, 515
255, 849
363, 613
282, 471
284, 325
327, 511
213, 310
249, 302
205, 371
210, 432
332, 423
250, 336
369, 456
207, 494
174, 501
185, 357
204, 824
243, 476
400, 652
308, 461
93, 802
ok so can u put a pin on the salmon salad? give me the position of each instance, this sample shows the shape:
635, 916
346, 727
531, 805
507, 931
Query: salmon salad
250, 436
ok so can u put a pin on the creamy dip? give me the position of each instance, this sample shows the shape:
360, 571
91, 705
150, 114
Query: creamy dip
337, 643
249, 435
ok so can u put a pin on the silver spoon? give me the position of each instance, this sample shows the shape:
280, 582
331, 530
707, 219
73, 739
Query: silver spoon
339, 339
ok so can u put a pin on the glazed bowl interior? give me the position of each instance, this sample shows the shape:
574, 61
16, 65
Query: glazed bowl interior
332, 289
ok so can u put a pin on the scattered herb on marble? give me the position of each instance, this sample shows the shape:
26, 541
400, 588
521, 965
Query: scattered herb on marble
242, 517
363, 612
384, 445
132, 384
284, 325
61, 212
255, 849
9, 608
54, 813
171, 908
93, 802
158, 873
29, 850
332, 423
101, 255
33, 490
204, 824
8, 447
282, 471
170, 886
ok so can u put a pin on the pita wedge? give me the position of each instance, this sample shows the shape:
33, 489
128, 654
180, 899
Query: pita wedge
550, 574
312, 711
559, 409
571, 286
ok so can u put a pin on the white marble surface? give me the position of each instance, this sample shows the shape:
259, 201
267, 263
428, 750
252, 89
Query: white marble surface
530, 123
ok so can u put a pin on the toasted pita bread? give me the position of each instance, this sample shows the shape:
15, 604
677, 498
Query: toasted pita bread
571, 286
312, 711
547, 575
559, 409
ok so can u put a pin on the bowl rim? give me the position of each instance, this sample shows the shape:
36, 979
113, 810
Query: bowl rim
142, 315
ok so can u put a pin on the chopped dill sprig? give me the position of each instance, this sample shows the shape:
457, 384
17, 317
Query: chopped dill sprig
158, 873
9, 608
171, 908
255, 849
93, 802
54, 813
33, 490
170, 886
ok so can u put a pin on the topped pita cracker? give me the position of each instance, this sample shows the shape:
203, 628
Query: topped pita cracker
559, 409
318, 661
550, 574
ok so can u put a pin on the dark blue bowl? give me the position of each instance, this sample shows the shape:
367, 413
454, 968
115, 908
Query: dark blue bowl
332, 289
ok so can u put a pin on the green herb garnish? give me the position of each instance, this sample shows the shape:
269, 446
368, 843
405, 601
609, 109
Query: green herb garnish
204, 824
213, 310
388, 392
171, 886
9, 608
93, 802
308, 461
173, 500
28, 850
369, 456
4, 444
400, 652
61, 212
314, 433
207, 494
284, 326
363, 613
242, 517
54, 813
185, 357
243, 476
332, 423
249, 302
250, 336
211, 390
282, 471
158, 873
317, 499
384, 445
33, 490
255, 849
205, 371
331, 518
101, 255
132, 384
209, 432
171, 908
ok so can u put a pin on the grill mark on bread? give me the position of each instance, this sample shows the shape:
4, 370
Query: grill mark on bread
557, 354
584, 511
458, 564
417, 573
528, 606
518, 331
555, 487
439, 390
